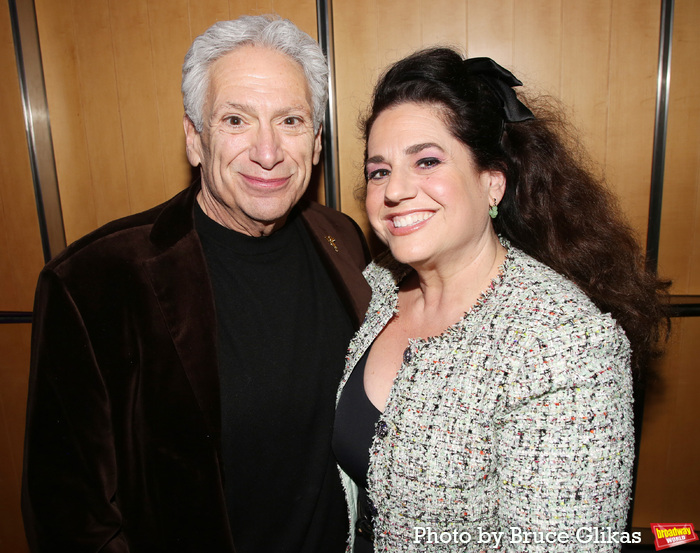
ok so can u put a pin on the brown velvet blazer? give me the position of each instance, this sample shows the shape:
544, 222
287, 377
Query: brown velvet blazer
122, 447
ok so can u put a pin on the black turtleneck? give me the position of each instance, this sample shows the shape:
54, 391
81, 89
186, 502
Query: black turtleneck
282, 338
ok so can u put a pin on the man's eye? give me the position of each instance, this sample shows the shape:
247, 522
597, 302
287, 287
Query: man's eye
234, 120
292, 120
377, 174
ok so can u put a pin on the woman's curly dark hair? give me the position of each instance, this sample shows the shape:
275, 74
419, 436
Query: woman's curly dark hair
554, 208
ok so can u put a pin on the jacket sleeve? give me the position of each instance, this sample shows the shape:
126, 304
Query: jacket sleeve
69, 483
565, 452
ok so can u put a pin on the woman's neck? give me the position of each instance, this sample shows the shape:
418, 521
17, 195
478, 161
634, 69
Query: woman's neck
437, 295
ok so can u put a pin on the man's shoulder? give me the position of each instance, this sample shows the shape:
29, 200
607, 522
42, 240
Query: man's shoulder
317, 213
128, 237
334, 226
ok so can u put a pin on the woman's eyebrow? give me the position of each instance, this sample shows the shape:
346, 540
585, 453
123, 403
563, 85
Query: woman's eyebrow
410, 150
420, 147
375, 159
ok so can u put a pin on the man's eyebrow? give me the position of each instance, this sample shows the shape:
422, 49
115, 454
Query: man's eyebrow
232, 105
295, 111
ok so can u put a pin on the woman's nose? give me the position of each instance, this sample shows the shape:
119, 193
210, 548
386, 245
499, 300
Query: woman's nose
401, 186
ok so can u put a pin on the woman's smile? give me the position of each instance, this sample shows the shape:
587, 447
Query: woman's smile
410, 219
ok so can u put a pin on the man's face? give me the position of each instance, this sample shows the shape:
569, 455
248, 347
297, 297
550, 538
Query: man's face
257, 146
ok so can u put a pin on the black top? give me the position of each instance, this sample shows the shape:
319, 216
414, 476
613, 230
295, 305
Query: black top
355, 421
282, 337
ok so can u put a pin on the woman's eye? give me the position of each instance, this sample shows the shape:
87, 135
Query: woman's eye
377, 174
428, 162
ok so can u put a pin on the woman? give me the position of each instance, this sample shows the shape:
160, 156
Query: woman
489, 390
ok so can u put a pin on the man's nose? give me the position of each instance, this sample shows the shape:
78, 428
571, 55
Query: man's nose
266, 149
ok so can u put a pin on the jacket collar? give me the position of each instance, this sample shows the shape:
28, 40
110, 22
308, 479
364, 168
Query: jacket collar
176, 219
342, 268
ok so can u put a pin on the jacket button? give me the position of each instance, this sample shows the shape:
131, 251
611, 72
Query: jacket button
382, 429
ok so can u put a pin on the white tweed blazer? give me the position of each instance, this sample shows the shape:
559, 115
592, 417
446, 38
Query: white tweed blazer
518, 418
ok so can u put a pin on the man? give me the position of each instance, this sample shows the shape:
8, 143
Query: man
185, 359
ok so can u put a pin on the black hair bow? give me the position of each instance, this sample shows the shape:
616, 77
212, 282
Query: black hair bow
500, 81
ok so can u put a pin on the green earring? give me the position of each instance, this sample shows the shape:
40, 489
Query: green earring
493, 210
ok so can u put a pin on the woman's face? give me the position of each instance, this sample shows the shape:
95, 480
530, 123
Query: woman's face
425, 197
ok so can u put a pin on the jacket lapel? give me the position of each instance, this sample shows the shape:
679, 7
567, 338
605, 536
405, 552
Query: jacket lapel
334, 247
182, 288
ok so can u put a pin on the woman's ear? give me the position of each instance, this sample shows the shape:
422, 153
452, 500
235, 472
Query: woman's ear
496, 182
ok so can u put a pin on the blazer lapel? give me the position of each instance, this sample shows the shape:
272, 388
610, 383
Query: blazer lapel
344, 269
182, 288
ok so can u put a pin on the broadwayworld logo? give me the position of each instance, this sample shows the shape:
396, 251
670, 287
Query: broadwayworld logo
671, 535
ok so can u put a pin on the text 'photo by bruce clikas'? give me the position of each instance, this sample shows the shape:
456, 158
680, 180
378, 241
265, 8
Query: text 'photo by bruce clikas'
586, 534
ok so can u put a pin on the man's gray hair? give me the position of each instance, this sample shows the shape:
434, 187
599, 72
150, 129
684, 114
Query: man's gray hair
258, 30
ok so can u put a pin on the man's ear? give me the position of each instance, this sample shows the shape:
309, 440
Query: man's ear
317, 145
193, 142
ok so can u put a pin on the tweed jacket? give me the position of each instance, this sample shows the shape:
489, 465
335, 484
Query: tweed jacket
122, 446
516, 418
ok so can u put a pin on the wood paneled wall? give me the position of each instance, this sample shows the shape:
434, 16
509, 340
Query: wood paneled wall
14, 372
599, 57
113, 71
679, 251
21, 257
668, 486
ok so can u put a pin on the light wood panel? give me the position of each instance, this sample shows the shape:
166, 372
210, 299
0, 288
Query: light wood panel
356, 70
113, 71
679, 249
537, 44
668, 486
204, 13
21, 257
583, 53
61, 73
631, 102
170, 37
137, 102
585, 41
487, 21
449, 30
14, 373
84, 109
